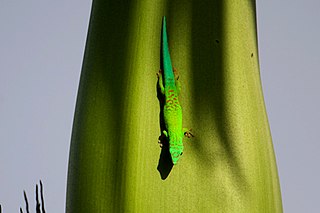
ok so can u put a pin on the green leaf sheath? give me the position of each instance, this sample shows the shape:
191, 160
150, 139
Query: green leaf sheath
172, 110
228, 167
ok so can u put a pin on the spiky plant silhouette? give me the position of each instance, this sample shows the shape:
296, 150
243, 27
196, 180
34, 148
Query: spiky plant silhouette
39, 206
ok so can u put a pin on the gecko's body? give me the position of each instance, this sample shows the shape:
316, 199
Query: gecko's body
172, 111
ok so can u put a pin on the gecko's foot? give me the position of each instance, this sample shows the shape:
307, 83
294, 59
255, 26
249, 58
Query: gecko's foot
188, 133
163, 144
176, 74
159, 73
162, 141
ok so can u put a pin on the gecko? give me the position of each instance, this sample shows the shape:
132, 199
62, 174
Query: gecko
170, 87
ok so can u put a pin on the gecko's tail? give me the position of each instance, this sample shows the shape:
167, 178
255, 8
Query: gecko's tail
166, 59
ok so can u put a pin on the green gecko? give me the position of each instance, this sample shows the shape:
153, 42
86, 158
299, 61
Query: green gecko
170, 87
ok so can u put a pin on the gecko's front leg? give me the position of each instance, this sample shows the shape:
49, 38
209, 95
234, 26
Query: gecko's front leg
163, 139
187, 133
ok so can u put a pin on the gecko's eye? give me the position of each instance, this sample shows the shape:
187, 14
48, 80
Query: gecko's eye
181, 153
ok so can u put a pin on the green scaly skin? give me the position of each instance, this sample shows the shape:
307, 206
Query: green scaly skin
172, 111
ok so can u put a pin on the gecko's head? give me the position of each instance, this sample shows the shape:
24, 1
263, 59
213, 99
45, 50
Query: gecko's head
175, 152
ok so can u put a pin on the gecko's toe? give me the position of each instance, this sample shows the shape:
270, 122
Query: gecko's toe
189, 133
176, 74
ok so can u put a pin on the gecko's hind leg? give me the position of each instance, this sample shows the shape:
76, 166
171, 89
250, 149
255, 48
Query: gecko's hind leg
176, 74
176, 77
160, 81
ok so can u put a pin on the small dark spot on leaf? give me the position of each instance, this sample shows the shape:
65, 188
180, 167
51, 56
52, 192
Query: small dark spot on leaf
251, 55
217, 41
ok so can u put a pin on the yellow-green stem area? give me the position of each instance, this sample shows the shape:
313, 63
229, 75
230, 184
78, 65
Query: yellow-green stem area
229, 166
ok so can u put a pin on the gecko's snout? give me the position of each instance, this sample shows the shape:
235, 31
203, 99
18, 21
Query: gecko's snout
175, 156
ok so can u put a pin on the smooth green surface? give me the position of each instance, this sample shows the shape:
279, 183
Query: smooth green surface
228, 167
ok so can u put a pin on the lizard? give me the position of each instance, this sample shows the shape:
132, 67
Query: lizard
168, 81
